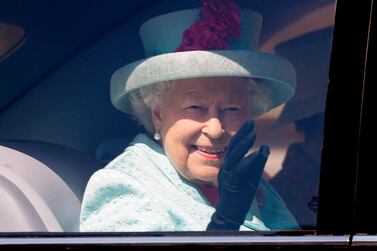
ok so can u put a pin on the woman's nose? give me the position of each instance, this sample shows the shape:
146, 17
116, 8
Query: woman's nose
213, 128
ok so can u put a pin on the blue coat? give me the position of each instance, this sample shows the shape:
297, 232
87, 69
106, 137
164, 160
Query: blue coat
140, 190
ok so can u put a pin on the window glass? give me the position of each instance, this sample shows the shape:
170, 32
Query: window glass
176, 119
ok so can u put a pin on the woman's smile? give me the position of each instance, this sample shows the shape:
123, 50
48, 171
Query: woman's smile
209, 153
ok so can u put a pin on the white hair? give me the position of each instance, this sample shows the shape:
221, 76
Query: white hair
145, 98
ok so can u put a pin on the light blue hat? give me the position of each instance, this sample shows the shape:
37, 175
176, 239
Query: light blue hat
161, 35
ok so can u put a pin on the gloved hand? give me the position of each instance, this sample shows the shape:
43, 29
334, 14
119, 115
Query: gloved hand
238, 180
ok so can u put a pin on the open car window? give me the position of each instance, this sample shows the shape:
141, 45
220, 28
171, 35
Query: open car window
58, 127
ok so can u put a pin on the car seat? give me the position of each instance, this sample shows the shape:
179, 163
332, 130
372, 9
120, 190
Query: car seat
41, 186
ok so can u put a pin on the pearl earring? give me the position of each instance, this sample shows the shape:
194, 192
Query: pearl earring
157, 136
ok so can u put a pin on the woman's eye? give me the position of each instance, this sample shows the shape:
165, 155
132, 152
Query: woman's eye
195, 107
232, 109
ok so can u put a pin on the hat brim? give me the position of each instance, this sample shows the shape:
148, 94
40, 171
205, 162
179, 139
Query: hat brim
276, 74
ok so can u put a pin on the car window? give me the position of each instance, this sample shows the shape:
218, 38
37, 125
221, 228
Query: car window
62, 125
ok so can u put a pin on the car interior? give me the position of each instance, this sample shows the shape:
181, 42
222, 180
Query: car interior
57, 123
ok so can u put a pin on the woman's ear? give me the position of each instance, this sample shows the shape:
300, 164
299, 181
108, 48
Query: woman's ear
156, 118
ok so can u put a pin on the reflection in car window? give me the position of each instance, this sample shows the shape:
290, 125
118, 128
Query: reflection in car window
11, 37
298, 180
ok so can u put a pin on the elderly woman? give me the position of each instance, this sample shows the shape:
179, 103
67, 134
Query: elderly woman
199, 88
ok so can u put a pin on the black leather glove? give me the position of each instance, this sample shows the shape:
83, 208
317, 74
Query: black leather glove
238, 180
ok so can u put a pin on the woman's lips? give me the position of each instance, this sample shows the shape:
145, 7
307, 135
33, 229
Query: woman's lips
210, 153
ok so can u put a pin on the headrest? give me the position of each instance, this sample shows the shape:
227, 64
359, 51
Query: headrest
33, 197
73, 166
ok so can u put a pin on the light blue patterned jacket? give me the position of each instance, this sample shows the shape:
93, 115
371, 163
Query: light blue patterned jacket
140, 190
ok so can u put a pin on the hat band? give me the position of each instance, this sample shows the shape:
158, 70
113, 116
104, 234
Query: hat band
220, 21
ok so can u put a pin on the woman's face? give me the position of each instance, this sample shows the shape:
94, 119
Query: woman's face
196, 122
